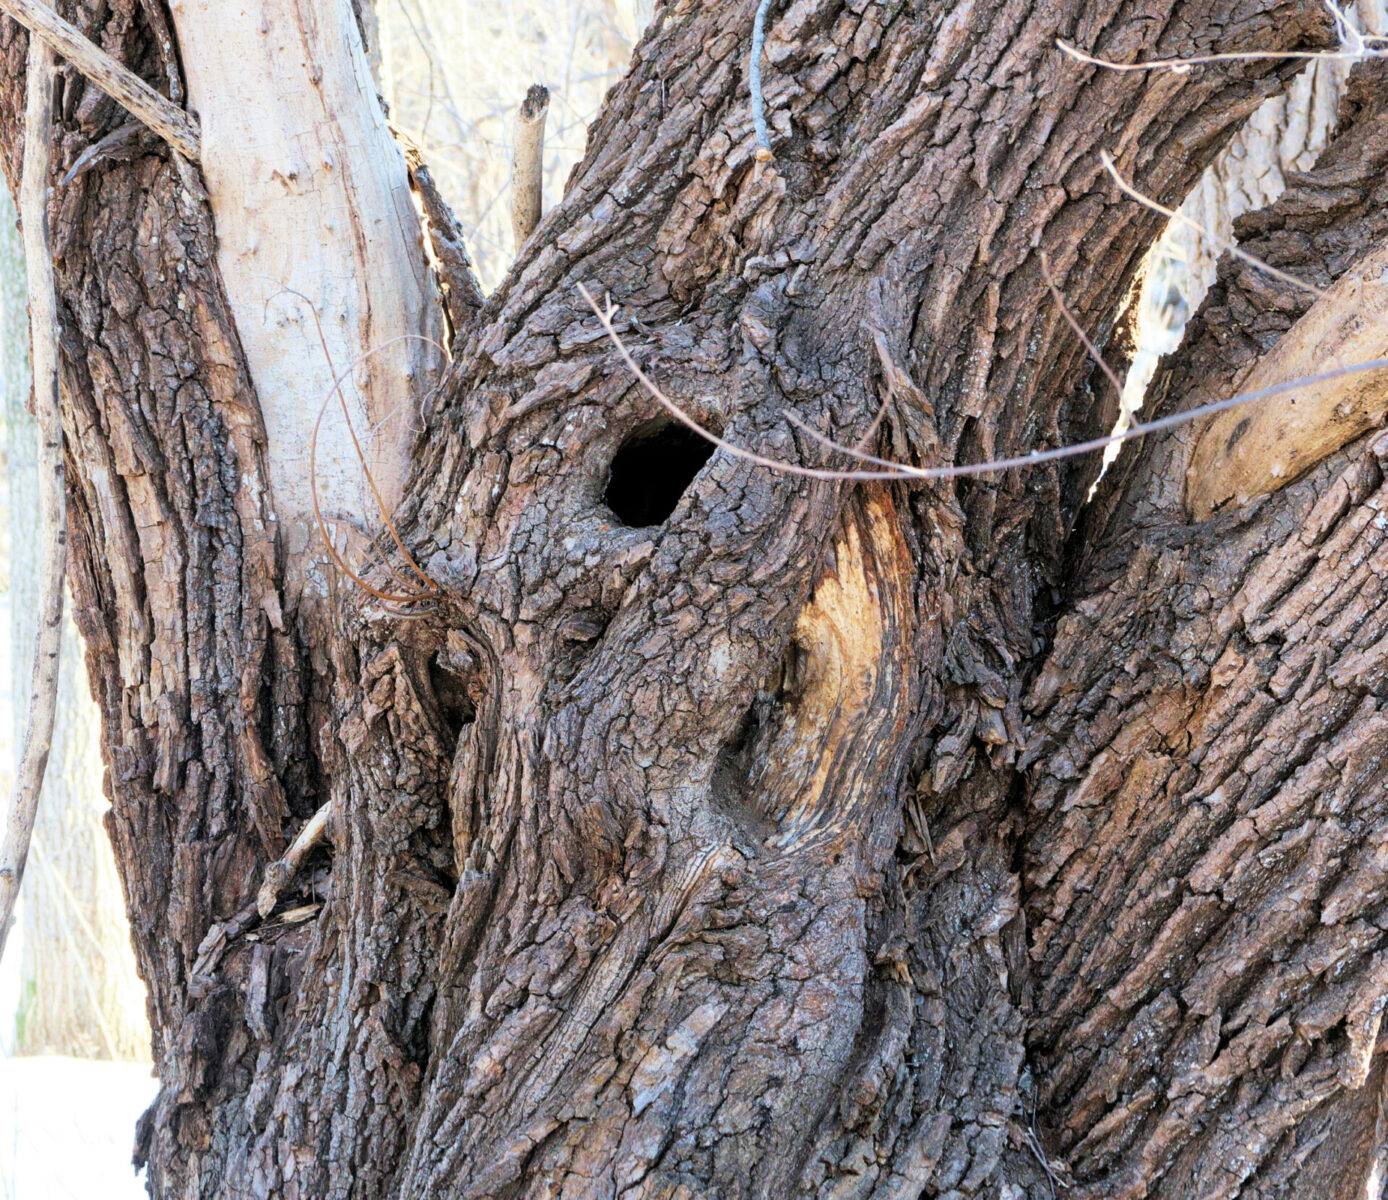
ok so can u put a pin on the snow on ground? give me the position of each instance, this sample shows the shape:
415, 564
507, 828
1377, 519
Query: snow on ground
67, 1126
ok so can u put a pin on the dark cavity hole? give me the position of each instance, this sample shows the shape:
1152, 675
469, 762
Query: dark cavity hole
456, 708
652, 470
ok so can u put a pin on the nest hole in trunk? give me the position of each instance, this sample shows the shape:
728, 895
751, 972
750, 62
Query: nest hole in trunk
652, 470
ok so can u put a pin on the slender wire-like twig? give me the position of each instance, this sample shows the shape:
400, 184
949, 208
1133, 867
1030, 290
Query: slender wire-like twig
764, 153
1074, 324
1227, 244
43, 325
98, 1010
901, 471
337, 391
431, 587
1185, 64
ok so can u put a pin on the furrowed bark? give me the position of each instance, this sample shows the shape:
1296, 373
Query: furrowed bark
657, 974
1202, 854
671, 854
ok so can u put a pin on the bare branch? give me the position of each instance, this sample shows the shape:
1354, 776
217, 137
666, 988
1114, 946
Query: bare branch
279, 874
120, 83
1074, 324
528, 165
1181, 65
1237, 458
43, 325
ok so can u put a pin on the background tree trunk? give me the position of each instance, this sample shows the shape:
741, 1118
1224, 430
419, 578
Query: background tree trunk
79, 993
712, 830
1284, 136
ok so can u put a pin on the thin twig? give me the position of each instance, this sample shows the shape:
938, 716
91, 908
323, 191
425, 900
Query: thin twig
1224, 243
120, 83
901, 471
754, 83
1078, 328
336, 390
528, 165
79, 957
356, 443
43, 326
1181, 65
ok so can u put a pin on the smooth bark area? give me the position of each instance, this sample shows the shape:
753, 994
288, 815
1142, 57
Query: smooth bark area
319, 248
784, 842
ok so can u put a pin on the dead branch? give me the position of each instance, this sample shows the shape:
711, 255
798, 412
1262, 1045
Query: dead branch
43, 326
1180, 65
166, 119
1274, 446
279, 874
528, 164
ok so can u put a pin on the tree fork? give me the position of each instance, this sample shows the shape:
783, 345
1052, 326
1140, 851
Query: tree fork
621, 892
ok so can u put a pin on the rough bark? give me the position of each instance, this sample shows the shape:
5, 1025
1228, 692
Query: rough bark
688, 858
1204, 887
79, 993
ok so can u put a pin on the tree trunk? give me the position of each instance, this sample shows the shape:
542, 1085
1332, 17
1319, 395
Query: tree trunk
79, 994
705, 830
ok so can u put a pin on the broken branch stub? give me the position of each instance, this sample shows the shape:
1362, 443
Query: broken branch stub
1241, 455
527, 164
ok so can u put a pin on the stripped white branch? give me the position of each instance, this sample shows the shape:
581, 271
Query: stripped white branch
279, 874
43, 325
528, 165
120, 83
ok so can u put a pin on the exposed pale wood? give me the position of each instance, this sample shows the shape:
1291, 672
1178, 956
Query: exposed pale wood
1240, 455
117, 81
528, 165
279, 873
43, 325
313, 211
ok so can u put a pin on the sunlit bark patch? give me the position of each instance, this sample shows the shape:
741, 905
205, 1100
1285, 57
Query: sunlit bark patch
842, 682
